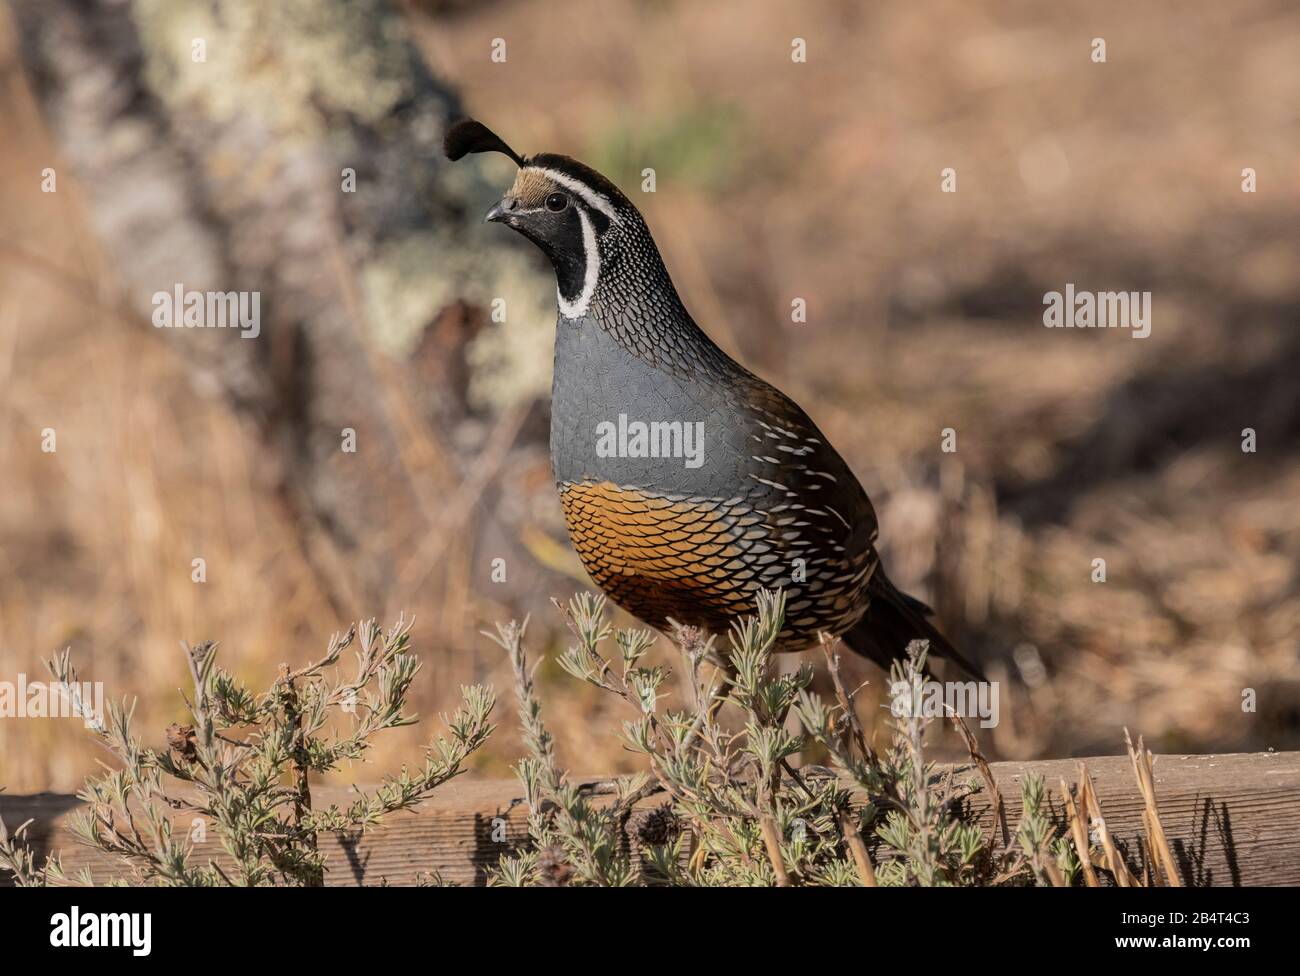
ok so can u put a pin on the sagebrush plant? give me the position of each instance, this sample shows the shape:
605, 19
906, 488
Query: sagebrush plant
739, 807
243, 768
739, 811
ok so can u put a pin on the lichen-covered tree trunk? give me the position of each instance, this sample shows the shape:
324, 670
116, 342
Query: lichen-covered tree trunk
215, 142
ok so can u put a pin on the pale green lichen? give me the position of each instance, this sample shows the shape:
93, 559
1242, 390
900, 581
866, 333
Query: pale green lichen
293, 64
288, 61
411, 281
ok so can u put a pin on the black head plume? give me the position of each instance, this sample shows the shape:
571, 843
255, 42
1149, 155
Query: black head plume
471, 136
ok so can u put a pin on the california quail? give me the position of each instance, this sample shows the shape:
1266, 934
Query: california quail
687, 482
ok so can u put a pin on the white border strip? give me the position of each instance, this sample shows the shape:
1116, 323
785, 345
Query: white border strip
590, 274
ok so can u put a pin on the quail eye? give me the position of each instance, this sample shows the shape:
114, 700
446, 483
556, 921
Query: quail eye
555, 202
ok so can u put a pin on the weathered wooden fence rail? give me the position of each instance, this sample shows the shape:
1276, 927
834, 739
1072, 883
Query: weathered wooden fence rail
1231, 820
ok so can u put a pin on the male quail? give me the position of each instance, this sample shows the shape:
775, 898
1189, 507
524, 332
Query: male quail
687, 482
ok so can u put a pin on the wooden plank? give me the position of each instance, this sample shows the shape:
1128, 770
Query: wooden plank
1231, 820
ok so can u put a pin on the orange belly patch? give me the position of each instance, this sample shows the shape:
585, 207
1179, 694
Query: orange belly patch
660, 558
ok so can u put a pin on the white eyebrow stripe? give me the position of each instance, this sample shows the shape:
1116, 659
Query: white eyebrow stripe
590, 274
590, 196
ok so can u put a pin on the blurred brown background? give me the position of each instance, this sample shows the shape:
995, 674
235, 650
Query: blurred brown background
775, 180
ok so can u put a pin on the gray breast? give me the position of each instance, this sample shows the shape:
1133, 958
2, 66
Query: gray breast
616, 417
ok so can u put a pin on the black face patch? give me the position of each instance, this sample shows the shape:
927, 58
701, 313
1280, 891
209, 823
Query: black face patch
598, 220
570, 254
559, 235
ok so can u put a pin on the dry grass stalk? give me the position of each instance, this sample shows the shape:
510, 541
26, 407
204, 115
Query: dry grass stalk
1092, 809
1080, 834
859, 849
772, 841
852, 836
986, 773
1052, 871
845, 700
1161, 856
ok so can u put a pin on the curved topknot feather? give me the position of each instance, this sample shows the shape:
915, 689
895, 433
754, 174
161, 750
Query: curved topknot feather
472, 136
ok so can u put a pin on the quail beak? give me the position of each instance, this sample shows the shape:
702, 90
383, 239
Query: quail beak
500, 211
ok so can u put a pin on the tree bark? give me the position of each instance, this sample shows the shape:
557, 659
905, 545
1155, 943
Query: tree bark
211, 139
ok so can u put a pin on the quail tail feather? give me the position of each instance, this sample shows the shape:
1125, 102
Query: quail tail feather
892, 621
